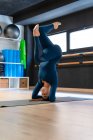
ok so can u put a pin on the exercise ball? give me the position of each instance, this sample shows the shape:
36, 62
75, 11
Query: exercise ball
12, 31
0, 30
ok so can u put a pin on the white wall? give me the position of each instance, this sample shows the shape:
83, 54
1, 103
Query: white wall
9, 43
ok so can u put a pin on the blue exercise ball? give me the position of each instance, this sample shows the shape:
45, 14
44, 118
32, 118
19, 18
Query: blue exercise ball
12, 31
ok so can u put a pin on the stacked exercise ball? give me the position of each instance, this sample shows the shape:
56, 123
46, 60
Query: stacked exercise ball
11, 31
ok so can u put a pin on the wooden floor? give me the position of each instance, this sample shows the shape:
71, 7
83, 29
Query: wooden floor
10, 94
57, 121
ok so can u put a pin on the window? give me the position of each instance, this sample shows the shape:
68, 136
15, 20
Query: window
59, 39
81, 39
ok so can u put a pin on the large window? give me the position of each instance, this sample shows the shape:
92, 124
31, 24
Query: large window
81, 39
59, 39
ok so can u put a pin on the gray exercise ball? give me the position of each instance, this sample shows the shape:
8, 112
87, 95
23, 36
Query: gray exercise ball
12, 31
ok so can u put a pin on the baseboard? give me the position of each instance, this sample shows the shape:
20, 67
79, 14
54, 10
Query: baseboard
79, 90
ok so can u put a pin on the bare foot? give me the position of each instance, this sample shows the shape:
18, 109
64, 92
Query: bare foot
36, 27
56, 24
36, 30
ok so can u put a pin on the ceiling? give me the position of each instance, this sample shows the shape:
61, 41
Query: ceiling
9, 7
37, 11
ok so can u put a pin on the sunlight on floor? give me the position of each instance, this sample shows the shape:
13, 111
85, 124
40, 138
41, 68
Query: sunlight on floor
69, 94
6, 95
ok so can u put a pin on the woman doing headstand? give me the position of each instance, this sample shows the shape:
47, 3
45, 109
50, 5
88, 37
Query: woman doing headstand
47, 56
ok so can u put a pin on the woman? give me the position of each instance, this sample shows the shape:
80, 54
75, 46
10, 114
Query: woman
46, 55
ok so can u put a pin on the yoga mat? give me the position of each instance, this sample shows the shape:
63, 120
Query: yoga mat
30, 102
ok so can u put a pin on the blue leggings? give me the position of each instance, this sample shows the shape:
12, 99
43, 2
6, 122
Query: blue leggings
46, 55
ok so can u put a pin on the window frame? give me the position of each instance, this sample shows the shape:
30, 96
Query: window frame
79, 50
